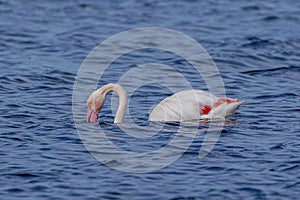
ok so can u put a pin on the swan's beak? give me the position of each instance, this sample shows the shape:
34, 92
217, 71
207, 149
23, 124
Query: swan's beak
91, 116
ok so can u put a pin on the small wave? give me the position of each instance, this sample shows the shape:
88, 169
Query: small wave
271, 18
258, 42
276, 95
272, 71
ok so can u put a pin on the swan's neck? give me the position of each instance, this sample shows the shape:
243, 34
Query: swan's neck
122, 100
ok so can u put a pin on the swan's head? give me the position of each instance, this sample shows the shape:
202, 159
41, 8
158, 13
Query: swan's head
222, 108
94, 104
97, 99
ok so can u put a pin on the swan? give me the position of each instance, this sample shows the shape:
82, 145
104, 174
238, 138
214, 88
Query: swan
182, 106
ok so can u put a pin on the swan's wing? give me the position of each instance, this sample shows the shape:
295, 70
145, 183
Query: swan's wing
182, 106
223, 110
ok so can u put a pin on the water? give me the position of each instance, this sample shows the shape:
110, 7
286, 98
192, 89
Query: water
256, 47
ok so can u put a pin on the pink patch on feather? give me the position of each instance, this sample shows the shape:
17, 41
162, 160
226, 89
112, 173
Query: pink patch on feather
205, 109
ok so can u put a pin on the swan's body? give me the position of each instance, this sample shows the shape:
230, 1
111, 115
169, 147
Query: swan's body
182, 106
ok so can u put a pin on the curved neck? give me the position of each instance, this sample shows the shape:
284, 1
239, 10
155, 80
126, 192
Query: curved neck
122, 100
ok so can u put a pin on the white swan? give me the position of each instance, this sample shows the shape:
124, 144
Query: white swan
182, 106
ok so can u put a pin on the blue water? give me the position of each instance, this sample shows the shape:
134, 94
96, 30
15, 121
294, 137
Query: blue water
256, 46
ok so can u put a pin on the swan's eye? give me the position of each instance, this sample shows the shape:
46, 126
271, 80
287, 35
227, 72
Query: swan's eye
89, 104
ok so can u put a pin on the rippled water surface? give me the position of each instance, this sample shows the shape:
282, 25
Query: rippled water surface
256, 46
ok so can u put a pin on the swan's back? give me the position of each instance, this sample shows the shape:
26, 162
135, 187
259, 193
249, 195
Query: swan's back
182, 106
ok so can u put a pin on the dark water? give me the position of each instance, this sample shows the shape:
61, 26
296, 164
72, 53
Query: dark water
256, 46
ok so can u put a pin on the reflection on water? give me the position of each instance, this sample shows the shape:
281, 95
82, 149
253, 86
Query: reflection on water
161, 145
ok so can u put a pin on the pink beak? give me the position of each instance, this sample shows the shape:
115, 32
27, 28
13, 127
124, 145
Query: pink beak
91, 116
